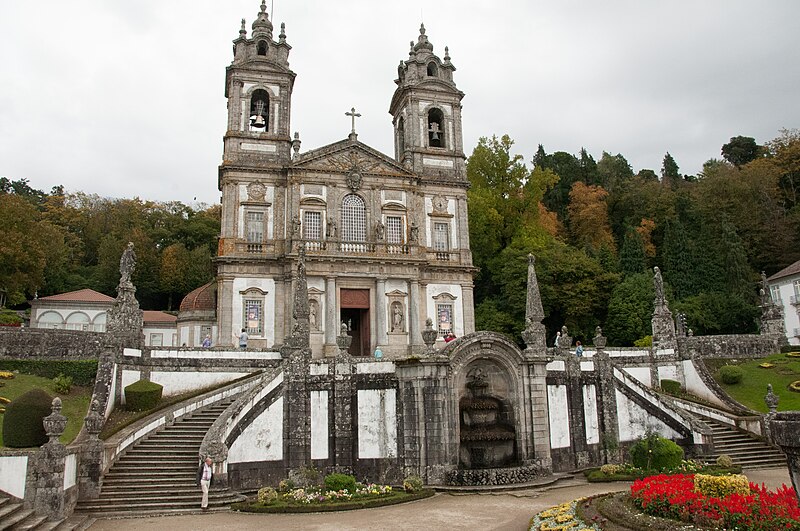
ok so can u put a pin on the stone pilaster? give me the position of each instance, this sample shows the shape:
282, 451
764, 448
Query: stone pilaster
468, 305
380, 309
344, 403
414, 316
607, 395
331, 319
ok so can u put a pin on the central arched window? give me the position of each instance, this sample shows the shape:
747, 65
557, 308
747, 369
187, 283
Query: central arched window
259, 110
261, 48
432, 69
354, 219
435, 128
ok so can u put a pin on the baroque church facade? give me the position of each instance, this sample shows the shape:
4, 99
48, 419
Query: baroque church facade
385, 237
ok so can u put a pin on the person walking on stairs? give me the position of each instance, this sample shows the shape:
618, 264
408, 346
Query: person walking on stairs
205, 474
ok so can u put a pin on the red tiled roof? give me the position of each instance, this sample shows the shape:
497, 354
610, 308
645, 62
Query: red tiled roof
154, 316
81, 295
203, 298
787, 271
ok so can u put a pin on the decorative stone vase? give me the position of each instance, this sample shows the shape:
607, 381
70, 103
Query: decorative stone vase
94, 420
343, 340
784, 427
55, 422
429, 336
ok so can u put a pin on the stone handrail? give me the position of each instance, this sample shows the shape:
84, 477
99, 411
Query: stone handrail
699, 431
735, 406
119, 442
214, 443
751, 423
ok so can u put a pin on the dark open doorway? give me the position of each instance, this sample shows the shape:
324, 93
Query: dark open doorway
354, 310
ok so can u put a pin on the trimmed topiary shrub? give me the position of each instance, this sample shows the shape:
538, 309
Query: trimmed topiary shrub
671, 387
267, 495
339, 482
725, 461
22, 422
656, 453
142, 395
731, 374
412, 484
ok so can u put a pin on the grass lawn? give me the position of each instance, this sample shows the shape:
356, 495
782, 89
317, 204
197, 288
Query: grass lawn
753, 387
75, 404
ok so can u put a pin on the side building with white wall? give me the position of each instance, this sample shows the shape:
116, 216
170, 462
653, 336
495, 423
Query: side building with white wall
784, 287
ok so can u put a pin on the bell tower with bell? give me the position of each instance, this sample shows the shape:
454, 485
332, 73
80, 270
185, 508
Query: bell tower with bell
426, 112
258, 85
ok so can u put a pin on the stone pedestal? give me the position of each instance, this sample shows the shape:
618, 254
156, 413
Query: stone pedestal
90, 477
784, 428
49, 498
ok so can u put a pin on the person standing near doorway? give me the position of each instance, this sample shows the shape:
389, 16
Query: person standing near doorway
205, 474
243, 337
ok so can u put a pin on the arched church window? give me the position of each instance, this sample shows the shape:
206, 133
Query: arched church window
261, 48
433, 70
401, 137
354, 219
435, 128
259, 110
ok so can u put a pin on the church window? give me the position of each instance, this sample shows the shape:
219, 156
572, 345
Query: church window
444, 318
253, 316
261, 48
312, 225
776, 294
50, 319
259, 110
78, 321
435, 128
254, 226
441, 240
432, 69
394, 229
354, 219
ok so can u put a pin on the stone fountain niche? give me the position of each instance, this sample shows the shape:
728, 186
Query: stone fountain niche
488, 438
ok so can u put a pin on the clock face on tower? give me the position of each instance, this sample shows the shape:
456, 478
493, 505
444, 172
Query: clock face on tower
439, 204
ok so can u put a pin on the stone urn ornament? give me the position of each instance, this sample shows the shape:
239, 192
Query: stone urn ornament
55, 422
344, 340
429, 337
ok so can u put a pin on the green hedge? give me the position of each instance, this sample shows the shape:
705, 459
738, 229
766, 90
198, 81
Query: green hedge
22, 422
82, 372
656, 453
280, 507
339, 482
731, 374
142, 395
671, 387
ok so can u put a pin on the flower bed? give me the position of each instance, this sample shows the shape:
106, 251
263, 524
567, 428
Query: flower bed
560, 518
318, 499
675, 497
628, 472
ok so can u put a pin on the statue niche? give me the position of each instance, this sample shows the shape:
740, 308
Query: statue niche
488, 438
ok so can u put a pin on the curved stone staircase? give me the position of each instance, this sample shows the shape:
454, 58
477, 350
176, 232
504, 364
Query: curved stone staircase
745, 449
158, 474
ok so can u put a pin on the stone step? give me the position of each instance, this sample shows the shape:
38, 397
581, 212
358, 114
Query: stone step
164, 504
172, 452
15, 516
172, 486
121, 482
164, 458
145, 495
29, 523
9, 508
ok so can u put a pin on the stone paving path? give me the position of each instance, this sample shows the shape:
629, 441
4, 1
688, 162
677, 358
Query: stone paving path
507, 511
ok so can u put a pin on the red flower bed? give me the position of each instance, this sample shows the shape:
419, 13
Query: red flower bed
674, 497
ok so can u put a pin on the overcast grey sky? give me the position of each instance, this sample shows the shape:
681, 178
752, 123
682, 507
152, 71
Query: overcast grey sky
126, 99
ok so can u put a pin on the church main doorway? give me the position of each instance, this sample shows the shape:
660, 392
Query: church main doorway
354, 310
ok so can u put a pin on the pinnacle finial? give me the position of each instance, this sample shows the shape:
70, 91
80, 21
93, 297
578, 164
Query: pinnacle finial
263, 6
446, 54
422, 29
243, 30
282, 35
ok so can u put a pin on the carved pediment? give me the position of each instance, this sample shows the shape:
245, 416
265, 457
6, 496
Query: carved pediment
352, 159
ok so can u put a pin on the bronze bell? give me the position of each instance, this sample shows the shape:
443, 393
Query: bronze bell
259, 122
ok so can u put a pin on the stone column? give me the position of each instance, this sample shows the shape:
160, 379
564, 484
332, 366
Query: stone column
783, 429
288, 304
538, 442
331, 319
280, 311
382, 338
414, 316
463, 226
607, 395
226, 312
49, 498
468, 308
343, 400
91, 478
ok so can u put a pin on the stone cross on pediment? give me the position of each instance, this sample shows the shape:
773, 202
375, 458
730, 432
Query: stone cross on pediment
353, 115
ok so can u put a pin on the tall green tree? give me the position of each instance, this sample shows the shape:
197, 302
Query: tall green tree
632, 259
741, 150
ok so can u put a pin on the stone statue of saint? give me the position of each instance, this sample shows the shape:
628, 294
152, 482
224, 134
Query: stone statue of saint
658, 282
764, 292
380, 230
331, 229
312, 314
127, 264
344, 328
414, 232
397, 319
296, 225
